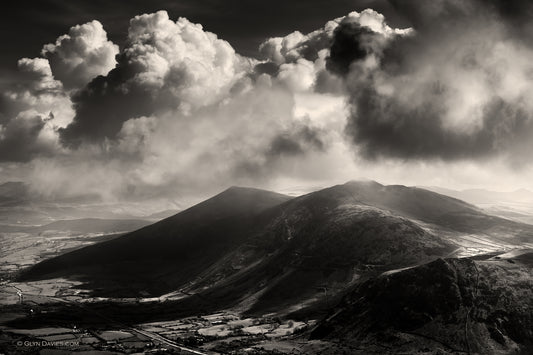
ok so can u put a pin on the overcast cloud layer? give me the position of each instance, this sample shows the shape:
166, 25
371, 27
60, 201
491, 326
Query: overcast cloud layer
177, 111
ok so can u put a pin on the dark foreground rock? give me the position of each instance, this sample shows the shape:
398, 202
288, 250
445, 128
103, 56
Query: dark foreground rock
446, 306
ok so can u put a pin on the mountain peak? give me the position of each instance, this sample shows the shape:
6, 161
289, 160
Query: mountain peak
244, 189
367, 183
238, 199
244, 192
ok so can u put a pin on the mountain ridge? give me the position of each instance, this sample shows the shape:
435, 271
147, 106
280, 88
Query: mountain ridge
243, 238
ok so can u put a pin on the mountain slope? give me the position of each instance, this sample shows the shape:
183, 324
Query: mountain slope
162, 256
434, 208
455, 305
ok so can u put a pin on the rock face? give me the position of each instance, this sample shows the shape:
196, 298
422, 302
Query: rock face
448, 305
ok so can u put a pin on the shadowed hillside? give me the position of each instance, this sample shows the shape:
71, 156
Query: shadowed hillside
164, 255
449, 305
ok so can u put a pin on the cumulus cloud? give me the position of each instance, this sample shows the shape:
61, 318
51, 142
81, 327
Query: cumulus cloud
31, 110
81, 55
297, 61
36, 75
296, 45
307, 62
182, 113
455, 88
37, 104
251, 139
165, 65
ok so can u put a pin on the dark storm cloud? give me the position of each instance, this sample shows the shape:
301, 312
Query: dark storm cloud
296, 142
284, 150
351, 42
458, 87
104, 105
269, 68
391, 129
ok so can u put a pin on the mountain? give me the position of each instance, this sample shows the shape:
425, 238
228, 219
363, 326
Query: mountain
449, 305
437, 209
264, 252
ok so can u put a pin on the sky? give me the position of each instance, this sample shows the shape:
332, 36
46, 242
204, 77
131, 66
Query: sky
177, 100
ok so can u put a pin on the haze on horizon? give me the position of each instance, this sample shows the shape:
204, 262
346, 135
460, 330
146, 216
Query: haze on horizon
158, 106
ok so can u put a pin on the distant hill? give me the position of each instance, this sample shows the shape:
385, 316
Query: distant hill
515, 205
482, 196
94, 225
18, 193
13, 191
82, 226
22, 206
261, 252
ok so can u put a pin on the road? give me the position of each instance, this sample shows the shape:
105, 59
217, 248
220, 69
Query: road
153, 336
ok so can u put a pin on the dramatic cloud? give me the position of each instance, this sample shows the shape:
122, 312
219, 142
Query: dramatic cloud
166, 65
178, 112
251, 139
35, 88
458, 87
30, 111
81, 55
37, 103
308, 62
182, 111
